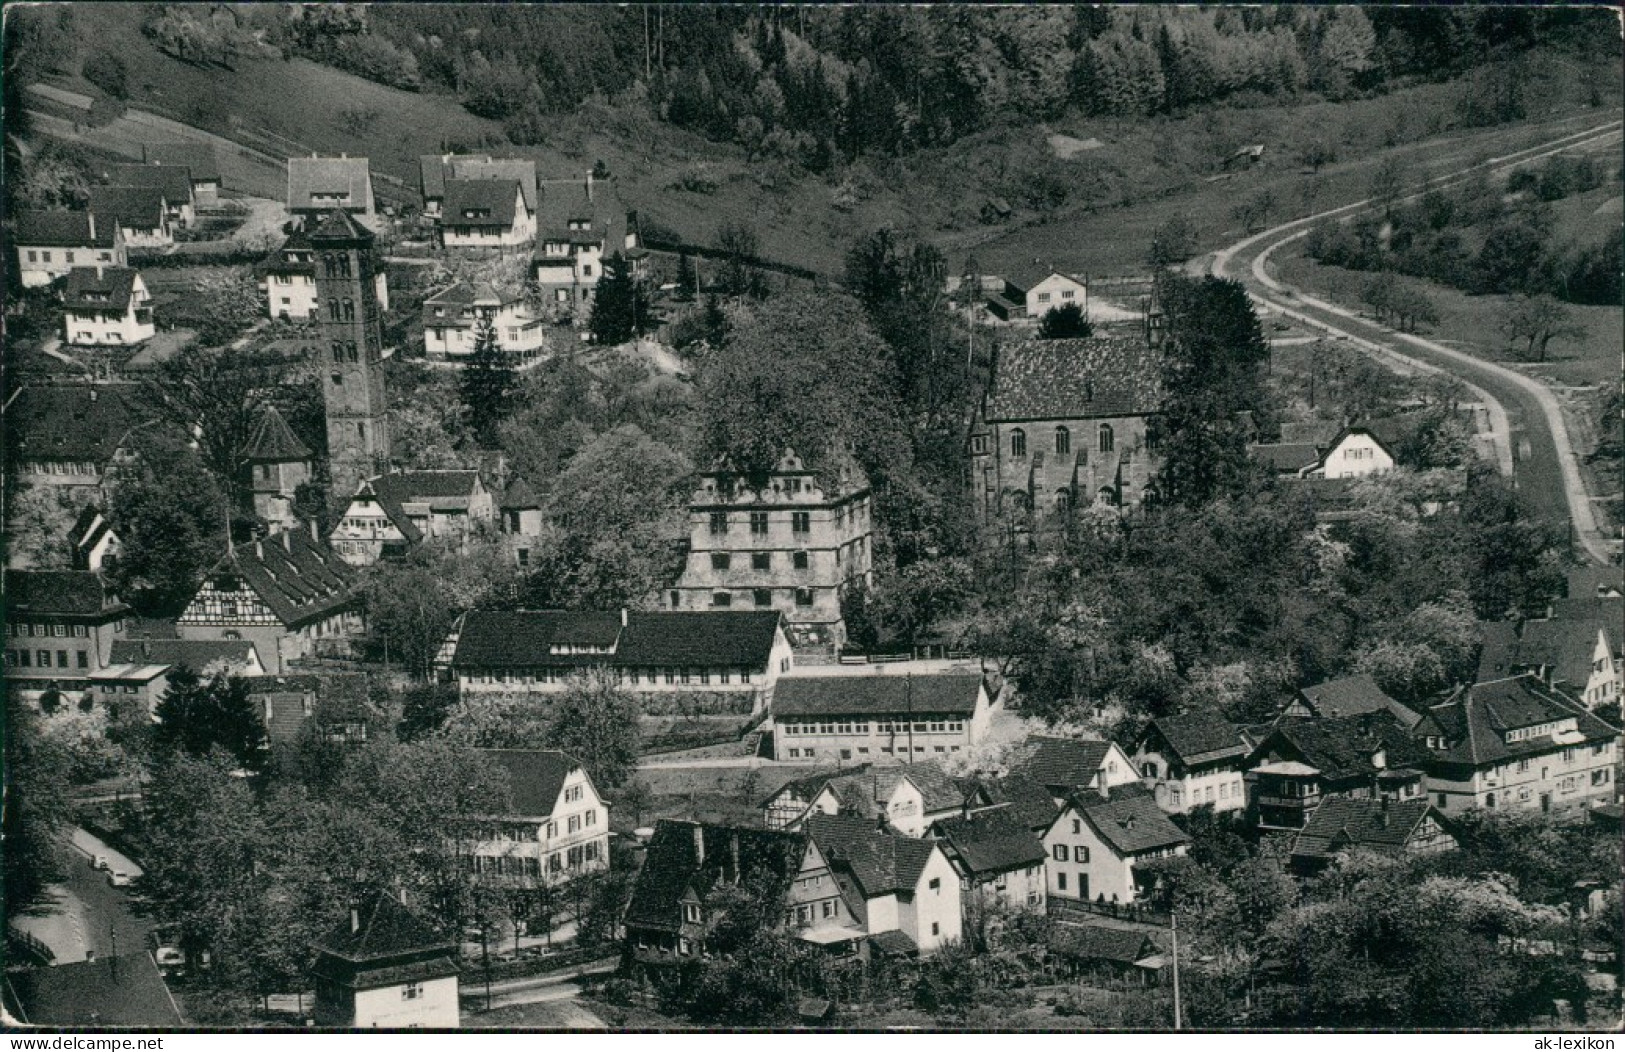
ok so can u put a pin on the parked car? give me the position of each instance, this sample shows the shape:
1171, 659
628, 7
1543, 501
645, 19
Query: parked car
170, 959
119, 878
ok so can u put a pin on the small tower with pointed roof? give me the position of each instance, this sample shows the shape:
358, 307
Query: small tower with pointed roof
277, 464
385, 966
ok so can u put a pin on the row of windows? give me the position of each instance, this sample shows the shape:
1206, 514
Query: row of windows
1063, 853
792, 729
761, 598
530, 866
56, 631
634, 676
1226, 791
800, 522
1066, 294
21, 658
528, 833
863, 750
760, 560
59, 467
1105, 438
69, 256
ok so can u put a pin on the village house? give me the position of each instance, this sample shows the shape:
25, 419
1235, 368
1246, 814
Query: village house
385, 966
1065, 423
60, 626
1030, 802
1299, 763
907, 797
234, 657
119, 688
172, 181
669, 912
1387, 827
878, 715
454, 318
1110, 954
1193, 761
794, 544
898, 895
106, 306
318, 185
557, 827
140, 214
1286, 459
486, 213
95, 546
390, 514
200, 163
521, 517
720, 663
49, 244
1097, 846
1030, 292
1517, 744
435, 170
1577, 647
286, 594
67, 436
337, 704
1353, 695
1064, 766
579, 225
290, 279
1356, 453
124, 992
277, 464
997, 857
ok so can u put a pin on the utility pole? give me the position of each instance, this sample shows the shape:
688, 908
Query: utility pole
1175, 917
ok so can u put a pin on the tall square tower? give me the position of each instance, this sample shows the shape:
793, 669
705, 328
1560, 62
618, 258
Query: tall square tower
350, 350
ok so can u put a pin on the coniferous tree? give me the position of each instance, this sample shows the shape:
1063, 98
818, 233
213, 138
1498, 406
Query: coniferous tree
688, 278
488, 385
196, 715
620, 307
1067, 322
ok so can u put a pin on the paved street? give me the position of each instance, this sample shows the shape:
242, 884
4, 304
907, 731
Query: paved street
84, 912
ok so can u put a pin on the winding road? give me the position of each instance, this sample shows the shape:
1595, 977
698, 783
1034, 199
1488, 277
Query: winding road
1541, 458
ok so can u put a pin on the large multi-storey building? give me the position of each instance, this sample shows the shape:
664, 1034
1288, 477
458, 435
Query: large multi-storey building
60, 626
790, 545
878, 716
349, 351
556, 827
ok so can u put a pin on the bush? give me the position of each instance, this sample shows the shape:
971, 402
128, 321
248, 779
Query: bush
107, 71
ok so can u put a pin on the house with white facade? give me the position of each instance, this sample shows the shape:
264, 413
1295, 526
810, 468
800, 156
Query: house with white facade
879, 715
49, 244
1355, 453
1030, 292
290, 279
897, 895
390, 514
997, 857
1385, 827
386, 966
141, 214
908, 798
1577, 647
1064, 766
556, 827
486, 213
106, 306
1192, 761
1099, 843
453, 319
435, 170
579, 226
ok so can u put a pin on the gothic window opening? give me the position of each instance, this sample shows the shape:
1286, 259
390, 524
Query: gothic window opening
1063, 441
1107, 440
1018, 443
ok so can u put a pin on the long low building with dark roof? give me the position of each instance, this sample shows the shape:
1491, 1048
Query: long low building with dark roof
723, 662
878, 715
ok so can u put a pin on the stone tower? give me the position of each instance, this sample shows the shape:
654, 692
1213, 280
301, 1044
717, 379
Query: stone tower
278, 464
349, 351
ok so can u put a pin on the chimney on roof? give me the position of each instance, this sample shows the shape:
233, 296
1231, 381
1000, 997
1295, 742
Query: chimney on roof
259, 551
623, 617
699, 844
287, 540
355, 920
91, 218
402, 891
98, 272
314, 535
589, 186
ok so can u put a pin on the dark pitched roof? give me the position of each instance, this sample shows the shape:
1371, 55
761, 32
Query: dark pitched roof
384, 929
1031, 801
196, 156
500, 169
196, 654
328, 175
880, 863
696, 639
1196, 737
174, 181
1130, 823
273, 440
99, 288
893, 943
1091, 942
138, 207
673, 865
561, 202
480, 202
334, 697
1074, 379
1025, 275
88, 531
300, 579
995, 840
1475, 720
427, 485
1353, 696
337, 225
1499, 648
877, 694
63, 230
1594, 582
433, 168
1565, 646
1343, 747
1285, 458
1342, 823
1060, 764
535, 777
72, 593
124, 991
518, 496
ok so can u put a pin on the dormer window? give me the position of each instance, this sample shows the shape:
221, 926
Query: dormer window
691, 913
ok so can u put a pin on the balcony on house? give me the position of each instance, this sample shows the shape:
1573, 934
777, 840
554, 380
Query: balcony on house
1287, 793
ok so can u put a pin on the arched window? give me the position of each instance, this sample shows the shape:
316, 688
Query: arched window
349, 310
1106, 438
1106, 496
333, 310
1021, 500
1018, 443
1063, 500
1063, 441
338, 351
1489, 800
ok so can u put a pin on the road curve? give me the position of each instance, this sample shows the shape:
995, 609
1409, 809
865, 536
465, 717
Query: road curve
1547, 471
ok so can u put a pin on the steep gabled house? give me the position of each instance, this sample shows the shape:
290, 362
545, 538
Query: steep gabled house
49, 244
392, 513
1099, 843
1387, 827
1353, 695
1064, 766
1029, 292
67, 436
385, 966
1518, 744
878, 716
173, 181
996, 854
277, 464
1577, 647
284, 594
900, 894
290, 279
140, 214
1193, 760
200, 163
1299, 763
338, 705
104, 306
317, 185
1358, 452
453, 317
908, 798
670, 909
486, 213
1065, 424
1110, 953
555, 830
1029, 801
579, 225
434, 170
95, 546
